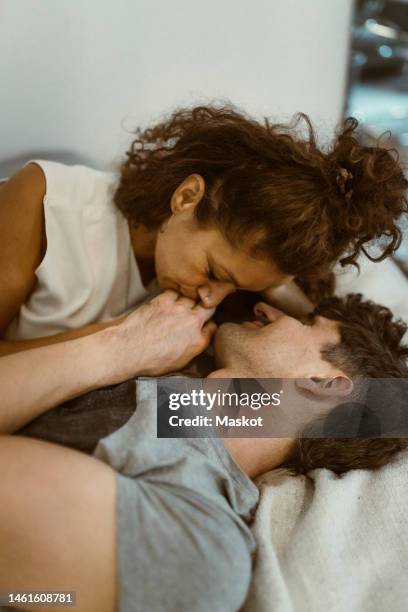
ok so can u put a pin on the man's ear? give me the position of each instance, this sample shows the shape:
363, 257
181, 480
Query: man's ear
336, 386
188, 194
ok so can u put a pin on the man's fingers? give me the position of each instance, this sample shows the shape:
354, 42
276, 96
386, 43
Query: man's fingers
204, 313
168, 296
208, 331
186, 301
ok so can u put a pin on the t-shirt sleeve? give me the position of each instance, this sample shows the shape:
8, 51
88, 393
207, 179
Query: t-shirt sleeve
178, 550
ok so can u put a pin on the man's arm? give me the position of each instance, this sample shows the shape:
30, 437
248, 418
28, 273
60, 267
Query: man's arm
10, 347
36, 380
157, 338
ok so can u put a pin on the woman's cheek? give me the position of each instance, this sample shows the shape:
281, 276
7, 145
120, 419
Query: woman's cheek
163, 259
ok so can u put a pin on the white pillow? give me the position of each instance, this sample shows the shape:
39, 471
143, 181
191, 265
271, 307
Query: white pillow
382, 282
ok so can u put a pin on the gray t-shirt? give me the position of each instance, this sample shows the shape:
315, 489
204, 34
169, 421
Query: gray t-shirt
182, 511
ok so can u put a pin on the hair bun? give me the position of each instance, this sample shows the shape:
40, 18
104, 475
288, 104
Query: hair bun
368, 193
344, 181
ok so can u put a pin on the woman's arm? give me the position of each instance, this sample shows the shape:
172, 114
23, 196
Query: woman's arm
22, 248
290, 299
157, 338
22, 239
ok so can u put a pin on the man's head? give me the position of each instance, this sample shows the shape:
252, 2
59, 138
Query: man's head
276, 345
343, 339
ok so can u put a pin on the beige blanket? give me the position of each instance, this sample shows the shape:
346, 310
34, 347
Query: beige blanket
333, 544
330, 544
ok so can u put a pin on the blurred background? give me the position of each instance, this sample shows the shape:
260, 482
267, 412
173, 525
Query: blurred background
378, 76
77, 77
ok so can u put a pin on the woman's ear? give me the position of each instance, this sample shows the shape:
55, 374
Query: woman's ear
337, 386
188, 194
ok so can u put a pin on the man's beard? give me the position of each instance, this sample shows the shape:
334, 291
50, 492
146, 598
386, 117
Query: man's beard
235, 308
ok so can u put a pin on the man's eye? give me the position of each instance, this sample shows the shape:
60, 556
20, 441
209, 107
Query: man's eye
307, 320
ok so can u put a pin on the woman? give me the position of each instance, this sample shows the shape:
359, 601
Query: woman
207, 201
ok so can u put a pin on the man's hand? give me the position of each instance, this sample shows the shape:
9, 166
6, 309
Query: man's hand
154, 339
161, 336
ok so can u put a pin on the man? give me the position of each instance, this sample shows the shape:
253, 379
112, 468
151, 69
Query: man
166, 528
274, 346
343, 340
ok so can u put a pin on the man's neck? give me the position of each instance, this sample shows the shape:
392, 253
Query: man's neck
255, 456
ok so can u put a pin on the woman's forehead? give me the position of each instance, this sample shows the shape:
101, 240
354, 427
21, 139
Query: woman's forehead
240, 265
249, 273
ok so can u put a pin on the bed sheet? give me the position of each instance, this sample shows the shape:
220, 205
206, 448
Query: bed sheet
337, 544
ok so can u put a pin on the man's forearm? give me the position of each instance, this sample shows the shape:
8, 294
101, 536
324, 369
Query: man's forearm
9, 347
34, 381
156, 338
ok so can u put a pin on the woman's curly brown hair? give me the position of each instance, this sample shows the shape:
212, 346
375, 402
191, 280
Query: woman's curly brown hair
370, 347
307, 207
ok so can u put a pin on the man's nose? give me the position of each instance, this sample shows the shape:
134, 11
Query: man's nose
212, 293
267, 312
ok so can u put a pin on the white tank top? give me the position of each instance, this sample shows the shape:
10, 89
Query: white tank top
89, 272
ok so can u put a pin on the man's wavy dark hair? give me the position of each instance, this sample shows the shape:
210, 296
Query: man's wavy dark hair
370, 347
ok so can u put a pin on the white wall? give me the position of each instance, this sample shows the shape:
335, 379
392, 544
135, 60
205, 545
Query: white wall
78, 75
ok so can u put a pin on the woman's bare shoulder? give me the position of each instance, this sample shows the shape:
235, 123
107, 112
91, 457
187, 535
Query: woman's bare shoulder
28, 176
21, 211
22, 237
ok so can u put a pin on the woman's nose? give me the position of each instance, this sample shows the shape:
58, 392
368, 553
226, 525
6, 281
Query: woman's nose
212, 293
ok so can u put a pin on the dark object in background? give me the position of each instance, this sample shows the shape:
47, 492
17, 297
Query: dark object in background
377, 57
397, 12
83, 421
379, 39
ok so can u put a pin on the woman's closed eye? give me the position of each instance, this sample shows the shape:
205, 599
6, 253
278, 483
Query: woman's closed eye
211, 275
215, 276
